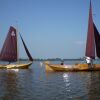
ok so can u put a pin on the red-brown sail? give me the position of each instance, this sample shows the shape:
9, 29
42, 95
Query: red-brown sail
97, 41
26, 49
9, 50
90, 46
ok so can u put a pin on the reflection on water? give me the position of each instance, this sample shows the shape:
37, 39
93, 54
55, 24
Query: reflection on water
83, 85
36, 84
16, 70
94, 86
8, 81
66, 80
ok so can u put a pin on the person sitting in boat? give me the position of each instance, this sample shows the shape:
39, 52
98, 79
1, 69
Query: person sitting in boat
89, 61
62, 62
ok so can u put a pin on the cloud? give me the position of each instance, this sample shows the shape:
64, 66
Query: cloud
79, 42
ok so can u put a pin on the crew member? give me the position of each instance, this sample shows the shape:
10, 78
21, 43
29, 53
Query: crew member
62, 62
89, 61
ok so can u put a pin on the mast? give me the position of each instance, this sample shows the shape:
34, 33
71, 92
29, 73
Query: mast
17, 44
90, 44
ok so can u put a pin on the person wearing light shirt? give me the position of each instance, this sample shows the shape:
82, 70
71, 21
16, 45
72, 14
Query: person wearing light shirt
89, 61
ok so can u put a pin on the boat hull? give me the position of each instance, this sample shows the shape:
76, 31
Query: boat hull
16, 66
69, 68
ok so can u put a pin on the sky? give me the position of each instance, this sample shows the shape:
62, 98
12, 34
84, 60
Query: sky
50, 28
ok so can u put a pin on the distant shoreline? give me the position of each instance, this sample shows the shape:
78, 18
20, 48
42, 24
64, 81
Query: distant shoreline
53, 59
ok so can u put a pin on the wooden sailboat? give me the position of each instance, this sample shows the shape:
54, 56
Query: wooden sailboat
9, 52
93, 41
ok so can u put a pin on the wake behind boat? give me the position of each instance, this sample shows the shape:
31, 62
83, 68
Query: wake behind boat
92, 44
9, 52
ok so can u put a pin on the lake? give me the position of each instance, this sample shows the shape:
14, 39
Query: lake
36, 84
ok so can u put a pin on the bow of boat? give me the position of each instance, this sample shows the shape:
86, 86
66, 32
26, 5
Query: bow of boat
16, 66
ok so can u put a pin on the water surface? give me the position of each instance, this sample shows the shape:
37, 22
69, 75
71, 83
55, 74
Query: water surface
35, 84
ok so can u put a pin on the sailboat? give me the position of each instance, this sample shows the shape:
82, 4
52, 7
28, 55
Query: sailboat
92, 44
9, 52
